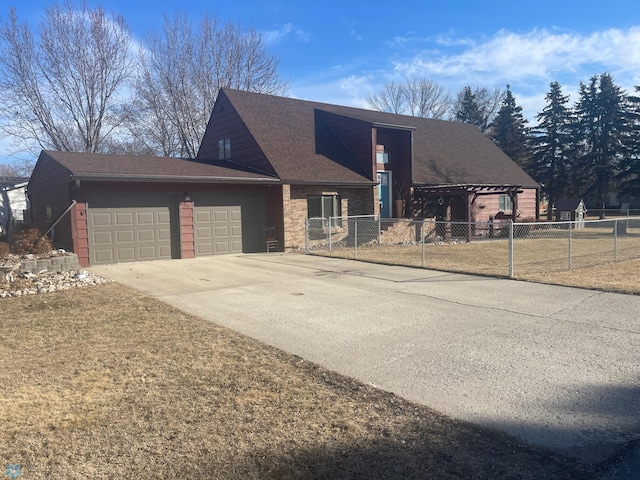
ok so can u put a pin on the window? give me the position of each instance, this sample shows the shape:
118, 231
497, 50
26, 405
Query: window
505, 203
325, 206
48, 213
224, 148
382, 157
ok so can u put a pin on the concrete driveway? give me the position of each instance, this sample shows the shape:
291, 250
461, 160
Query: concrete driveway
554, 366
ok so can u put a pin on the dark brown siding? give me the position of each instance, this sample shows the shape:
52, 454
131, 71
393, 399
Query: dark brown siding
226, 123
397, 143
50, 185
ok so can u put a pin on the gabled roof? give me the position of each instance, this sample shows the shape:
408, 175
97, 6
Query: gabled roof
107, 167
443, 152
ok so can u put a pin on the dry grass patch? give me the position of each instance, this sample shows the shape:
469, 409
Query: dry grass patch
543, 260
107, 383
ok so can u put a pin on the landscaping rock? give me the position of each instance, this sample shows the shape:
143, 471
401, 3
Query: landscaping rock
27, 283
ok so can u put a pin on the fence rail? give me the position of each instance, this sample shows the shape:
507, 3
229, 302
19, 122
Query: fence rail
516, 250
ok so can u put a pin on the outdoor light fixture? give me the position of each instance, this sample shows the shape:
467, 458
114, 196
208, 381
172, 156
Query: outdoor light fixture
187, 197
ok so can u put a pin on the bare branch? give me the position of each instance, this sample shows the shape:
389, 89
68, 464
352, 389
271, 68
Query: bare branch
62, 91
182, 70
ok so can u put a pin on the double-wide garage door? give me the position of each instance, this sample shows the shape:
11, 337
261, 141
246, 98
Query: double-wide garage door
131, 227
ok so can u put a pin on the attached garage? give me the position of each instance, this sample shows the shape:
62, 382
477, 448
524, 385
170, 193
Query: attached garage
132, 227
228, 223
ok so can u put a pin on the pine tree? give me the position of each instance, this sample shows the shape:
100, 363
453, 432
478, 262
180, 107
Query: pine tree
509, 131
553, 150
603, 129
629, 175
468, 110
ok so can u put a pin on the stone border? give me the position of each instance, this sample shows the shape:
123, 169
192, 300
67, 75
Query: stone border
62, 263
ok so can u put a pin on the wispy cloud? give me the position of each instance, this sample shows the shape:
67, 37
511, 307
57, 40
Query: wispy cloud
540, 54
275, 37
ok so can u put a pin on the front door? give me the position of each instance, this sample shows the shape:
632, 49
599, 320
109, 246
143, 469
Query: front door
384, 194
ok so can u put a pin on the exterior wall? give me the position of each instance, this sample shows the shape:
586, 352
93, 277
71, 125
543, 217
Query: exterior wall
50, 186
355, 201
78, 230
489, 205
397, 143
226, 123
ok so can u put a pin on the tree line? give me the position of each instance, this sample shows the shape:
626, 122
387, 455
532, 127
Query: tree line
588, 149
80, 82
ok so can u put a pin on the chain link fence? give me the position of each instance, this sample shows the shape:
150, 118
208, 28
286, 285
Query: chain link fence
516, 250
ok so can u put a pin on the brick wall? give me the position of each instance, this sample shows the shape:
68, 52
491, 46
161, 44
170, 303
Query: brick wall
355, 201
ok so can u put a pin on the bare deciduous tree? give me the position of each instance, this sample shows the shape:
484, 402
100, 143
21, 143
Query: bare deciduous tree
391, 98
61, 90
419, 97
182, 70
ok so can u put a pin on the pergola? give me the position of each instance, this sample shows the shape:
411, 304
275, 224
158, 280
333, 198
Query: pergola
468, 194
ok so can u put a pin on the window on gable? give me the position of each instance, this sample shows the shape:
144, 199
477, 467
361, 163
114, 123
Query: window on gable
224, 149
324, 206
505, 203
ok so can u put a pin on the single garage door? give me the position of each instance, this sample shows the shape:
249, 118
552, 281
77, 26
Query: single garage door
227, 224
132, 227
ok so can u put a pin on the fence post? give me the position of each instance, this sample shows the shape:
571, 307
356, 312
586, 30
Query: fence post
355, 238
329, 233
306, 235
615, 240
510, 248
422, 235
379, 229
569, 245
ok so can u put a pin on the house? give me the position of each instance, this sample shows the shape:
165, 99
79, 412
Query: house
13, 202
268, 161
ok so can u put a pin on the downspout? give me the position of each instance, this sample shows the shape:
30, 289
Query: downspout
73, 202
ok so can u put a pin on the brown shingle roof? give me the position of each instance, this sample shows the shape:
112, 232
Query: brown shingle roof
94, 166
444, 152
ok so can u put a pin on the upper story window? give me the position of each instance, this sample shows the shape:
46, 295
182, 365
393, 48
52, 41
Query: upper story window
224, 149
382, 157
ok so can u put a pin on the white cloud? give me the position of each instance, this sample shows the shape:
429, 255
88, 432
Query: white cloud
275, 37
540, 54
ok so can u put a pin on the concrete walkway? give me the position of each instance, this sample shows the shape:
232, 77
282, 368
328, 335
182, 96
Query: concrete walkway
554, 366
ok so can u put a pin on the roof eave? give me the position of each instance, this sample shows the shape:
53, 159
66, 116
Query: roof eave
169, 179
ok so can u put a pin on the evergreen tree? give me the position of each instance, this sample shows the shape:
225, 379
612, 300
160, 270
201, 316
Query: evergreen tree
509, 131
468, 110
550, 163
629, 176
603, 129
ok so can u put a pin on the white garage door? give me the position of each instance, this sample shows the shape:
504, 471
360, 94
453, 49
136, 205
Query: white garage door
125, 228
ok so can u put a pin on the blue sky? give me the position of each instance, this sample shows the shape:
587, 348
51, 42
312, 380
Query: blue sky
340, 51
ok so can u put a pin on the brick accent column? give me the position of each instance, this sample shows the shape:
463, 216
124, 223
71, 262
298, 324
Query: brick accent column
80, 233
187, 239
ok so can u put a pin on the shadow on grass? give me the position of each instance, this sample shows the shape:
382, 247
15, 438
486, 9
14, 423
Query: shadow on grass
483, 454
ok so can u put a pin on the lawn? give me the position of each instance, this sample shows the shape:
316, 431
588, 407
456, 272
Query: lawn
103, 382
536, 259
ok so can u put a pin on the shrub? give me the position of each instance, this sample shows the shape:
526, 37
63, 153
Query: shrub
4, 249
30, 240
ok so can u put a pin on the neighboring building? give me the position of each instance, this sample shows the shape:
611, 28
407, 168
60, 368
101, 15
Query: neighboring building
13, 202
268, 161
